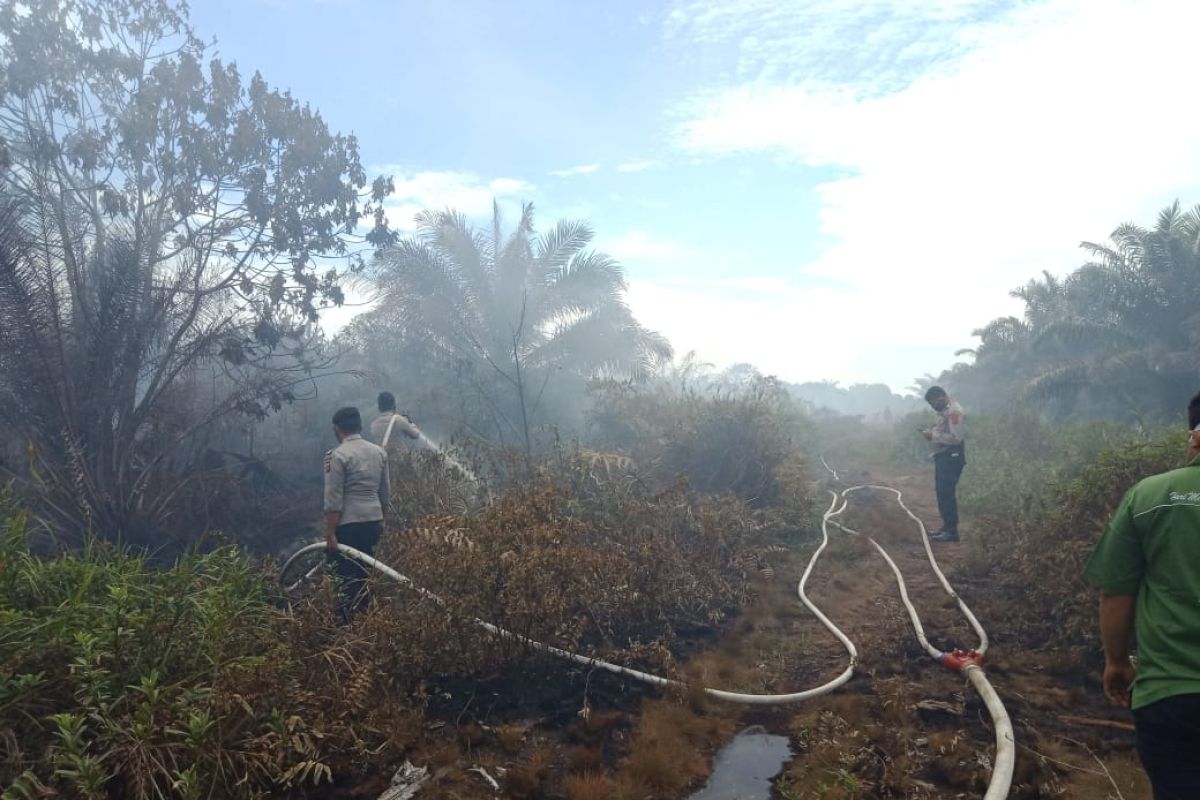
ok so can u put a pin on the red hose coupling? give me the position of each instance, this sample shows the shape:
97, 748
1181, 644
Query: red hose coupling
957, 660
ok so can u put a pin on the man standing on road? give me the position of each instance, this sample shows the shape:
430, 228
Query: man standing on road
404, 434
947, 437
357, 487
1147, 566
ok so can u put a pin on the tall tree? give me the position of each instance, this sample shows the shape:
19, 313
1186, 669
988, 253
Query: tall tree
511, 316
162, 217
1119, 336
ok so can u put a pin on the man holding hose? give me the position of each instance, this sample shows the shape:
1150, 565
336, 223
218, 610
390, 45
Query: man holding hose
357, 489
398, 429
1147, 566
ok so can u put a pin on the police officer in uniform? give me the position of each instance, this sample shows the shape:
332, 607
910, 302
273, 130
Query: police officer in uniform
394, 432
357, 487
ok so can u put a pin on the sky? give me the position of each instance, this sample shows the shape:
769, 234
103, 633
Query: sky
829, 190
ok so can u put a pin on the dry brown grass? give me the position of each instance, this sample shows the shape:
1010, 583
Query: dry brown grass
510, 738
577, 562
526, 780
590, 786
668, 750
582, 759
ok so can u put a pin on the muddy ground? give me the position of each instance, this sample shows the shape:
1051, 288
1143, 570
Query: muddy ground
903, 727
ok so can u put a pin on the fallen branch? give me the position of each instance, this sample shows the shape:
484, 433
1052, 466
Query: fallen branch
1107, 774
1098, 723
1062, 764
486, 776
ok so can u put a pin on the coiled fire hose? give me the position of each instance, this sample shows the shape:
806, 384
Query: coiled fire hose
970, 663
617, 669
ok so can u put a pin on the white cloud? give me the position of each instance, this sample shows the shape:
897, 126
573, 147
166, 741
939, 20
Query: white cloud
876, 44
637, 166
637, 248
1059, 121
584, 169
784, 328
433, 189
503, 186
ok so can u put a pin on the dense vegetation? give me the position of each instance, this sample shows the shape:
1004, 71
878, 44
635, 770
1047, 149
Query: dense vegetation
1117, 338
170, 235
122, 678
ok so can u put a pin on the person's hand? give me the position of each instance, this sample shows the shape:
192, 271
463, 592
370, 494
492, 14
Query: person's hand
331, 542
1118, 679
927, 433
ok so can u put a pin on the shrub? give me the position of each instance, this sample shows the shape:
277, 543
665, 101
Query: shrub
1015, 457
1040, 556
117, 679
746, 440
582, 559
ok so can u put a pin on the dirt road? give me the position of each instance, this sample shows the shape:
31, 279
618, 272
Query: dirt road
906, 727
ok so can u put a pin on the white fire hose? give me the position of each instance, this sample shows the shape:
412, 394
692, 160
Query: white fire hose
617, 669
969, 663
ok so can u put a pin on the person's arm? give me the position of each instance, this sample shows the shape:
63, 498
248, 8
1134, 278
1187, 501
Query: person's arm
335, 487
331, 524
1118, 567
1116, 632
953, 435
407, 427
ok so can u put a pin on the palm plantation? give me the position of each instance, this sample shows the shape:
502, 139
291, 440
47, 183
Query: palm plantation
1117, 337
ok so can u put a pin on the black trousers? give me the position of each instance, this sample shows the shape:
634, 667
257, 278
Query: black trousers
1168, 742
947, 469
352, 574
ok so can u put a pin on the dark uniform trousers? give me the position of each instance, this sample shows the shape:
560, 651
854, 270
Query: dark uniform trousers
352, 574
1168, 743
947, 469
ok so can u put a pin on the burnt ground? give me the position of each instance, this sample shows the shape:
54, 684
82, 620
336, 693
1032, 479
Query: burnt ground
882, 737
903, 727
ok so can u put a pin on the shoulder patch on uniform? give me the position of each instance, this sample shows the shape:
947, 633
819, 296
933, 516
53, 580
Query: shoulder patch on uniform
328, 460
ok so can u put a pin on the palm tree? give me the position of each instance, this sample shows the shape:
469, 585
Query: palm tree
1118, 336
510, 315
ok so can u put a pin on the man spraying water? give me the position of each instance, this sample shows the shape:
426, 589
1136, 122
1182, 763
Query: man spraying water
391, 430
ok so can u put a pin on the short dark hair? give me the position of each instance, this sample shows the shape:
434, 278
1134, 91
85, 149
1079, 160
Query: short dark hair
1194, 411
387, 401
348, 420
934, 392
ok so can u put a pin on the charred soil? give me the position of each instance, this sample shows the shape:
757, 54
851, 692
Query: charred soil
904, 727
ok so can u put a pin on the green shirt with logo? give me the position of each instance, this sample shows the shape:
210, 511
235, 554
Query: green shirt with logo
1152, 549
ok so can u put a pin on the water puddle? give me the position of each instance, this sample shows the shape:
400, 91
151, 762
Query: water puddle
744, 768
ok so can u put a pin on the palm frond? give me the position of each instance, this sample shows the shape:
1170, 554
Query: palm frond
588, 281
1062, 382
514, 262
557, 247
1077, 337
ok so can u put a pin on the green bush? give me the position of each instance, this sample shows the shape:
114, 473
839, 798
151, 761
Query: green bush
748, 440
1015, 458
118, 679
1039, 557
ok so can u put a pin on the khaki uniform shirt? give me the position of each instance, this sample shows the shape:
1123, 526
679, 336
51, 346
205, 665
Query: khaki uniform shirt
357, 483
405, 435
949, 431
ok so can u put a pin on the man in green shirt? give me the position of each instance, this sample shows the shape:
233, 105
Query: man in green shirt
1147, 566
